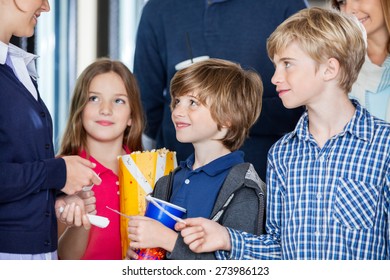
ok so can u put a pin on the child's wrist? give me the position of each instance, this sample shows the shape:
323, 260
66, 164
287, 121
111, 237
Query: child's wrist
170, 241
227, 244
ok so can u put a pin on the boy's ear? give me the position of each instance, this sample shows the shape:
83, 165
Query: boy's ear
332, 68
227, 124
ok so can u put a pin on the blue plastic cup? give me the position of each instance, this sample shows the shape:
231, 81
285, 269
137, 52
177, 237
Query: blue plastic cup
152, 211
159, 213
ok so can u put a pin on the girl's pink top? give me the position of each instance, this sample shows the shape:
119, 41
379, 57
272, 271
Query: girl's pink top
105, 243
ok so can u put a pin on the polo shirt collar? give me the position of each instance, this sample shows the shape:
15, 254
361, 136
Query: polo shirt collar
99, 169
216, 166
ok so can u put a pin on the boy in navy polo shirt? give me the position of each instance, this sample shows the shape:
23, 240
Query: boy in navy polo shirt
214, 103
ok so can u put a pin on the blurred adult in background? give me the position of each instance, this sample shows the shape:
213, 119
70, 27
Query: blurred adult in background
372, 88
173, 31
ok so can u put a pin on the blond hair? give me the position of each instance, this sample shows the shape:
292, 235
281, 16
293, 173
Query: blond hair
232, 94
385, 11
323, 34
75, 136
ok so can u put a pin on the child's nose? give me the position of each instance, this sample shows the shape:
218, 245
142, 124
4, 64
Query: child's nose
276, 78
178, 110
106, 108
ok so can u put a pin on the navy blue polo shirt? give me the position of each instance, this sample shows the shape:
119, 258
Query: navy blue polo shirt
196, 190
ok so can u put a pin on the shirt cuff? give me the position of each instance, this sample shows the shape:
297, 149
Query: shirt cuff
237, 247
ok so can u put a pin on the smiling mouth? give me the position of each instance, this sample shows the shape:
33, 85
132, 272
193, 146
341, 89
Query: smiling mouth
104, 123
283, 91
362, 20
181, 125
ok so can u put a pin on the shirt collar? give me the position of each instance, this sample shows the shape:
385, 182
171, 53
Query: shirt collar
370, 76
216, 166
14, 51
99, 169
361, 125
3, 52
301, 129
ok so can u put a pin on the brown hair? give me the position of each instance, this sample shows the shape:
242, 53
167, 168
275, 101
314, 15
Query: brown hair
323, 34
233, 95
75, 135
385, 10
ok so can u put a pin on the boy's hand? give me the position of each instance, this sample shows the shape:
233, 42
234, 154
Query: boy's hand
79, 173
145, 232
203, 235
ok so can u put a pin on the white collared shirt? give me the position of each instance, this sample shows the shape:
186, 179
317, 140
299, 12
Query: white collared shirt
23, 65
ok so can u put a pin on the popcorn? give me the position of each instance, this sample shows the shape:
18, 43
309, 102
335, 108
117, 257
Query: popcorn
138, 173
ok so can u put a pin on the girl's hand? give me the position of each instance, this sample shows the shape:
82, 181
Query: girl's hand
70, 210
145, 232
89, 200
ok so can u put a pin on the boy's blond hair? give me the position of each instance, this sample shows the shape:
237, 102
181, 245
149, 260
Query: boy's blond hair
233, 95
323, 34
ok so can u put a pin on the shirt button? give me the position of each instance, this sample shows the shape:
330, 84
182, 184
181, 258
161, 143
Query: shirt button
322, 159
42, 114
187, 181
47, 146
319, 196
317, 233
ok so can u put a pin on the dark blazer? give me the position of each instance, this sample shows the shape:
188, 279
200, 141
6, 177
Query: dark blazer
29, 174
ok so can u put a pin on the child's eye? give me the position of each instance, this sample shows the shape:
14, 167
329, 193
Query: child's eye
340, 3
120, 101
287, 64
194, 102
93, 98
175, 102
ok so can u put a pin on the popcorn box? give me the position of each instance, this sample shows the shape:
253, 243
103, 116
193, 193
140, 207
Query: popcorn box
138, 173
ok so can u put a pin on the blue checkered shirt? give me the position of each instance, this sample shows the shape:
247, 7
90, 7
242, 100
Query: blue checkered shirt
325, 203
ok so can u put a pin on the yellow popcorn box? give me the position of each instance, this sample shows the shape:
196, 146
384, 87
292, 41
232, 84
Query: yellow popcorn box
138, 173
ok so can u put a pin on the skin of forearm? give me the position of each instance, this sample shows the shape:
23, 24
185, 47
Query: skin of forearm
169, 240
73, 243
